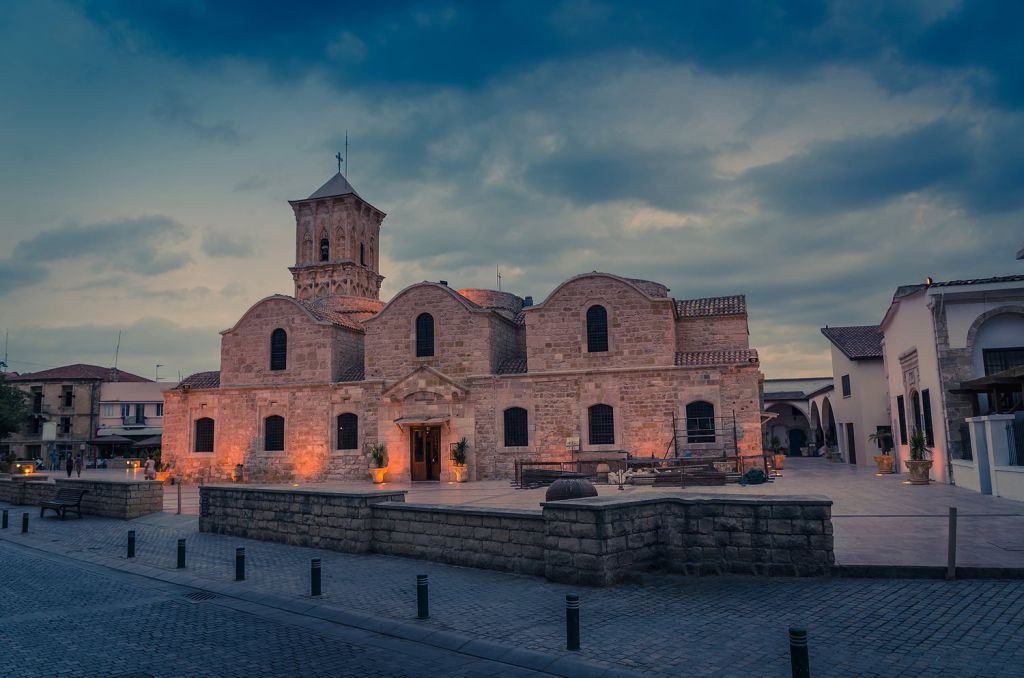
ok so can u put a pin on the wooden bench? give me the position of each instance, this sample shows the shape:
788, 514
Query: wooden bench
539, 477
67, 499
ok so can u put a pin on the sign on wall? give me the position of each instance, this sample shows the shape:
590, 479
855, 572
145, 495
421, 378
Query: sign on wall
572, 444
49, 430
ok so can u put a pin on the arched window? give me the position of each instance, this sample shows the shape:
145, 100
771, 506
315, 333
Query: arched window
597, 329
424, 335
516, 430
325, 249
362, 254
348, 431
700, 422
273, 433
278, 349
602, 424
204, 435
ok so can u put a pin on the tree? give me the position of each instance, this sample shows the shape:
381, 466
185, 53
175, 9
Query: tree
13, 408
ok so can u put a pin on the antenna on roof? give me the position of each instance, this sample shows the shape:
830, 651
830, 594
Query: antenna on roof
117, 348
346, 154
6, 337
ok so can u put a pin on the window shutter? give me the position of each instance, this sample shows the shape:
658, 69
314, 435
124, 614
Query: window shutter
926, 406
901, 409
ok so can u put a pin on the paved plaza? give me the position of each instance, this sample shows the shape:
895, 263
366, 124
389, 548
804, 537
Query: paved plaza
661, 625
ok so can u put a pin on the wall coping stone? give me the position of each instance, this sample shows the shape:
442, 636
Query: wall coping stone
105, 481
464, 510
306, 491
613, 502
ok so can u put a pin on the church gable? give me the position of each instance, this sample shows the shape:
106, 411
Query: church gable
425, 384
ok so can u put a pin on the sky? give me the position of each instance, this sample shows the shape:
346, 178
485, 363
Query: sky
811, 155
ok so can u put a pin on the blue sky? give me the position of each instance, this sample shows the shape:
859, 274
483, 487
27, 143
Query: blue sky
812, 155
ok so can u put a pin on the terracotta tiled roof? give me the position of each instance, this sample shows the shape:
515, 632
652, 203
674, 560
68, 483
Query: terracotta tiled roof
512, 366
652, 288
354, 373
856, 342
201, 380
80, 371
695, 308
979, 281
326, 314
493, 299
701, 358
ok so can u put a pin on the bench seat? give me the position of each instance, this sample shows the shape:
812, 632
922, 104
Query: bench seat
67, 499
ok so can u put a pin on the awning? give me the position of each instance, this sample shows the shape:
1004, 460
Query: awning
112, 440
423, 420
152, 441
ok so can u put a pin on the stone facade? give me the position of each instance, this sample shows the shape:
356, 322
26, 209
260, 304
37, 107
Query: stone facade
124, 499
596, 542
490, 351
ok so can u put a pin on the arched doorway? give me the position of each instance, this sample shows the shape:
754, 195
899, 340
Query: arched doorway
790, 427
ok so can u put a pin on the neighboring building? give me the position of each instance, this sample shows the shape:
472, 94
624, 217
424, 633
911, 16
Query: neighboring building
938, 339
860, 406
63, 409
605, 364
131, 414
795, 407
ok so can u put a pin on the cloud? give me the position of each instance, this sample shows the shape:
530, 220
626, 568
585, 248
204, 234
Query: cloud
347, 47
175, 111
220, 244
862, 172
147, 245
17, 274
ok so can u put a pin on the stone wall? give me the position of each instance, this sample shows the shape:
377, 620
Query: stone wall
125, 499
641, 330
712, 333
597, 541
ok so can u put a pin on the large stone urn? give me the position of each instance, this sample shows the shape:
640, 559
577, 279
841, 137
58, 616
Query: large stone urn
886, 463
919, 471
461, 472
570, 486
378, 474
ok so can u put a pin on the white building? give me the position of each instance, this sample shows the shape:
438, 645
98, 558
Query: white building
130, 413
860, 404
796, 407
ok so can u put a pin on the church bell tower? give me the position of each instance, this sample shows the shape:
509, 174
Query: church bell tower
337, 243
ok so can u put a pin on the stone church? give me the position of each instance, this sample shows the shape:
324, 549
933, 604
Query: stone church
604, 365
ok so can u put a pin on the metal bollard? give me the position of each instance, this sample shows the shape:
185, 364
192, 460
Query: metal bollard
131, 543
951, 547
179, 499
798, 657
5, 519
422, 597
314, 577
240, 564
572, 621
181, 554
24, 523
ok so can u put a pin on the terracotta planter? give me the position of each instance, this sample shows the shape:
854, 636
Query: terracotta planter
378, 474
461, 473
885, 463
919, 471
780, 459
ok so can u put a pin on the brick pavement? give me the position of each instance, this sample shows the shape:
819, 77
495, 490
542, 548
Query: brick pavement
663, 625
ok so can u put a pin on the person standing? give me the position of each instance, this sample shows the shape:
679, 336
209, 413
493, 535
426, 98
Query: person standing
53, 459
150, 473
79, 463
69, 465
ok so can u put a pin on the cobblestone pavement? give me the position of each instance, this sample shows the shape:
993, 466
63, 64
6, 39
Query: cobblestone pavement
716, 626
66, 619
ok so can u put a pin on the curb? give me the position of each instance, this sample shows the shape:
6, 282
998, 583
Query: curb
563, 664
924, 572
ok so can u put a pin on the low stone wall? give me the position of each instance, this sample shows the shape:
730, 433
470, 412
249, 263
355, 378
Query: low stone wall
329, 520
596, 541
493, 539
123, 499
20, 491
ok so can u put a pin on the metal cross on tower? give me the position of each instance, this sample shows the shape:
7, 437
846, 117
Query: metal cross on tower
338, 157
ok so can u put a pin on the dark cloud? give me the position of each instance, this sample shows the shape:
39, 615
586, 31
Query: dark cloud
862, 172
148, 245
219, 244
174, 110
17, 274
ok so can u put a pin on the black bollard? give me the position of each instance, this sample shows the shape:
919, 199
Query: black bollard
798, 652
131, 543
181, 554
24, 523
422, 598
572, 621
239, 564
314, 577
5, 519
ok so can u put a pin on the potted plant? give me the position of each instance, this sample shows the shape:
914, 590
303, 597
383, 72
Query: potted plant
918, 465
885, 460
379, 461
459, 450
776, 448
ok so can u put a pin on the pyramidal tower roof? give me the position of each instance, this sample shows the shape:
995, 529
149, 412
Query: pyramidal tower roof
336, 185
